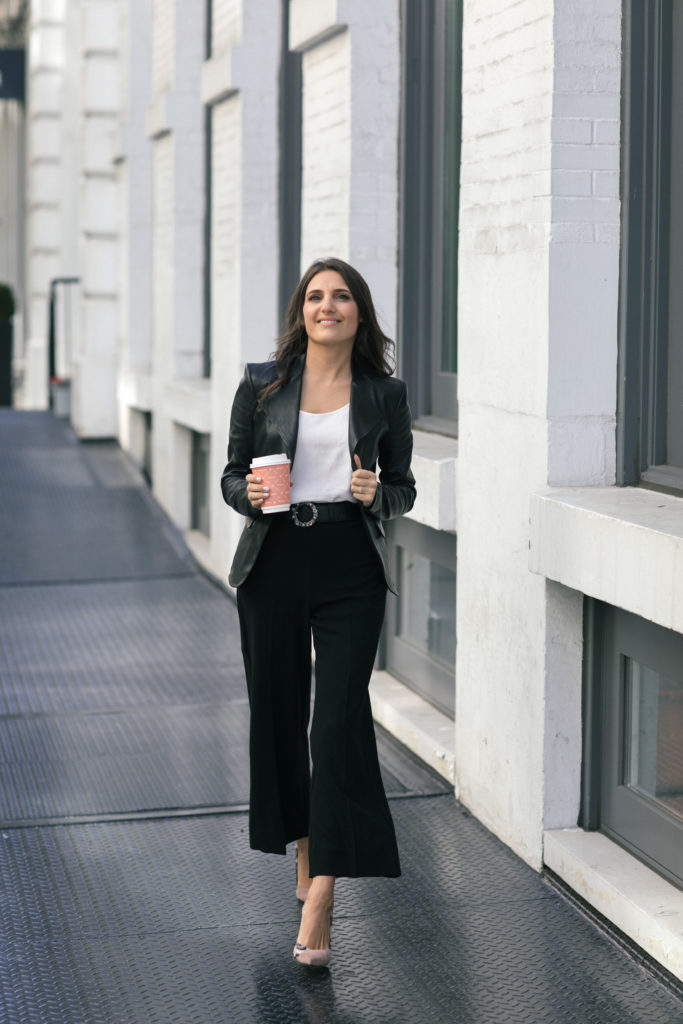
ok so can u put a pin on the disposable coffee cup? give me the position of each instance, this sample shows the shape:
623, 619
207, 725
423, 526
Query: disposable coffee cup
274, 471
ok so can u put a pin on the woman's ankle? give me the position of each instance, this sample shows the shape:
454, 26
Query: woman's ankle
303, 877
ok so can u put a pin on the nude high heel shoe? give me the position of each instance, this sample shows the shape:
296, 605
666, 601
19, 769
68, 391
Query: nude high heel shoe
312, 957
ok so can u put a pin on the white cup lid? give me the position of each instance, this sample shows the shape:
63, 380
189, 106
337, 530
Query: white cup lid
270, 460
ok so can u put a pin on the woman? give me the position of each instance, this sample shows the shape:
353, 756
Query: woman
328, 400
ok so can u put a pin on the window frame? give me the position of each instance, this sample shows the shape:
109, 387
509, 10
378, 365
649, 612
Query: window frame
413, 667
200, 503
642, 420
611, 635
423, 208
290, 175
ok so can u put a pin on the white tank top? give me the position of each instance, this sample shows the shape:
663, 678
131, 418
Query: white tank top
322, 465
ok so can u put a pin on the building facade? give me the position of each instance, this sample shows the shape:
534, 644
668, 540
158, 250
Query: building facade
507, 176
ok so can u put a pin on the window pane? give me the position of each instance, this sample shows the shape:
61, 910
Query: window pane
201, 446
674, 432
654, 754
451, 192
427, 607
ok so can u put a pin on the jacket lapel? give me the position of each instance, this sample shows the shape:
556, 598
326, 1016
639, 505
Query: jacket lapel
283, 407
364, 411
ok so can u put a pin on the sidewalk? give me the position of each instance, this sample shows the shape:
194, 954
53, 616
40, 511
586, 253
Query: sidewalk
128, 891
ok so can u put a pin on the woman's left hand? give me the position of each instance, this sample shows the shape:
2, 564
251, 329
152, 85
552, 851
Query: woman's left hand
363, 484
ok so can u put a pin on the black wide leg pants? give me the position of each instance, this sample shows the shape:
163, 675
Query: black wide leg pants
326, 580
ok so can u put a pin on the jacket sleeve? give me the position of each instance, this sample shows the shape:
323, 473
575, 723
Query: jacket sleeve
240, 448
396, 488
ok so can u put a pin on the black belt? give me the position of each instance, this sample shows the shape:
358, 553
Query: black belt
307, 513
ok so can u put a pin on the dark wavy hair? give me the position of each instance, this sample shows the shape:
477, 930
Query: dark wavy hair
372, 349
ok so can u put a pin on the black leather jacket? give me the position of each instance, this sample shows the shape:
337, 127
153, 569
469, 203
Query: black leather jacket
379, 430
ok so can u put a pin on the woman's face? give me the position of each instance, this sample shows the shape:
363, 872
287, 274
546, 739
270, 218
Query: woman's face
330, 312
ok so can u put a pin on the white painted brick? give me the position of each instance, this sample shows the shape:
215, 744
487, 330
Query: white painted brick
44, 178
595, 105
597, 158
226, 24
571, 183
607, 233
98, 143
100, 25
226, 196
99, 269
606, 132
578, 130
44, 137
99, 208
606, 183
565, 233
594, 210
326, 146
101, 85
163, 58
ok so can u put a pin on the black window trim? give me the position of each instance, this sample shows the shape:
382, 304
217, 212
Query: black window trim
421, 212
644, 264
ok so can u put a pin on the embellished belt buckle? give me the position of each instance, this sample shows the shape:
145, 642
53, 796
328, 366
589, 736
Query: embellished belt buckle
304, 522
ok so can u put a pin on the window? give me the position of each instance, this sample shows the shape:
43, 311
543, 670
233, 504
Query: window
420, 625
634, 771
146, 466
650, 431
201, 449
289, 129
208, 199
430, 177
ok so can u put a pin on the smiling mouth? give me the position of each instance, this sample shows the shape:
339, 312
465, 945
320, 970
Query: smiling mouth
329, 322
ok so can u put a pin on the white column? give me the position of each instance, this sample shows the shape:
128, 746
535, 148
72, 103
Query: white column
52, 172
241, 81
503, 294
134, 168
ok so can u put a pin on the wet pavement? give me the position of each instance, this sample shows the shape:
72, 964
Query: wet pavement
128, 892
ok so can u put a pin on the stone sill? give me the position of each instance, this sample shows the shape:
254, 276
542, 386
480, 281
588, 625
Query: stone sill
157, 119
636, 899
312, 22
620, 545
187, 401
428, 733
434, 466
217, 78
135, 389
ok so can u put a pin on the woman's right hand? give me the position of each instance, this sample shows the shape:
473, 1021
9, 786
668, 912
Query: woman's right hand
257, 492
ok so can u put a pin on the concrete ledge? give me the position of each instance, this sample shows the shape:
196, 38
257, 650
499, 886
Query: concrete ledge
135, 389
636, 899
217, 81
187, 401
157, 120
434, 465
621, 545
424, 730
311, 22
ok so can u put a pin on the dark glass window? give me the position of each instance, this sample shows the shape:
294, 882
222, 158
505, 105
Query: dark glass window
633, 785
201, 452
430, 193
420, 626
650, 432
